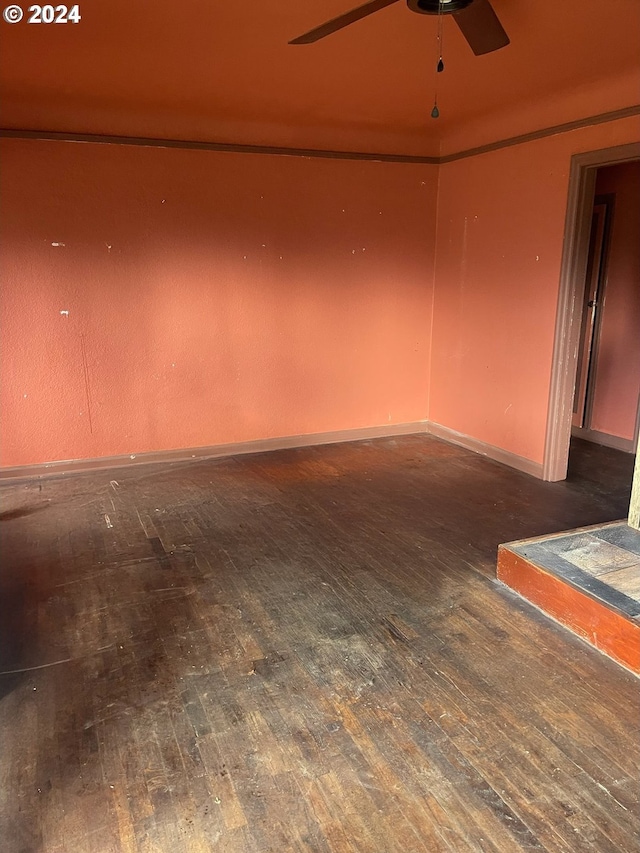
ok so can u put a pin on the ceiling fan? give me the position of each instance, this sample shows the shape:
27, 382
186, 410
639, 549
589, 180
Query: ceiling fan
477, 21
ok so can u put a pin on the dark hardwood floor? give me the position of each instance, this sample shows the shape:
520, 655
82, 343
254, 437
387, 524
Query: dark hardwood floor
305, 651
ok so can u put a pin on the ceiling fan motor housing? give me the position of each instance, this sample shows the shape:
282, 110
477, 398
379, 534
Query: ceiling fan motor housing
476, 19
438, 7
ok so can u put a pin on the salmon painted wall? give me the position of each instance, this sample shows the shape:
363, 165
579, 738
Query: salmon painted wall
157, 299
498, 254
617, 369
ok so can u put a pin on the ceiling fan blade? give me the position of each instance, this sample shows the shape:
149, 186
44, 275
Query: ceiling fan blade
481, 27
341, 21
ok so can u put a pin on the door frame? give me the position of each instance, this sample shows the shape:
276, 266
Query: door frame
575, 251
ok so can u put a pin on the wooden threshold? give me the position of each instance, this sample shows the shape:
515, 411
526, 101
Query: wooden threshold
588, 579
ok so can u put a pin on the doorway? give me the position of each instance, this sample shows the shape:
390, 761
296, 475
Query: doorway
607, 392
589, 383
595, 283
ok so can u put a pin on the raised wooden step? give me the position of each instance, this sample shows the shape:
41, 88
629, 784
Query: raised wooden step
588, 579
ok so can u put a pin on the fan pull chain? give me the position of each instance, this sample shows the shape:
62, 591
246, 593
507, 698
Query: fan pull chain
435, 112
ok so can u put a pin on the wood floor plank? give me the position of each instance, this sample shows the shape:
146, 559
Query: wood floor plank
305, 651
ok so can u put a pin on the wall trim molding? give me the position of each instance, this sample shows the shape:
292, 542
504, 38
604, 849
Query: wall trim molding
236, 148
498, 454
604, 438
228, 147
554, 130
216, 451
263, 445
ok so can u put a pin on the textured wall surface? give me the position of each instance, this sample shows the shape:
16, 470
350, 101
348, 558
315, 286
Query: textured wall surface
156, 299
500, 234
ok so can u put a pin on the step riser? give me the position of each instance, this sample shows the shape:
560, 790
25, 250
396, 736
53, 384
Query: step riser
607, 630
